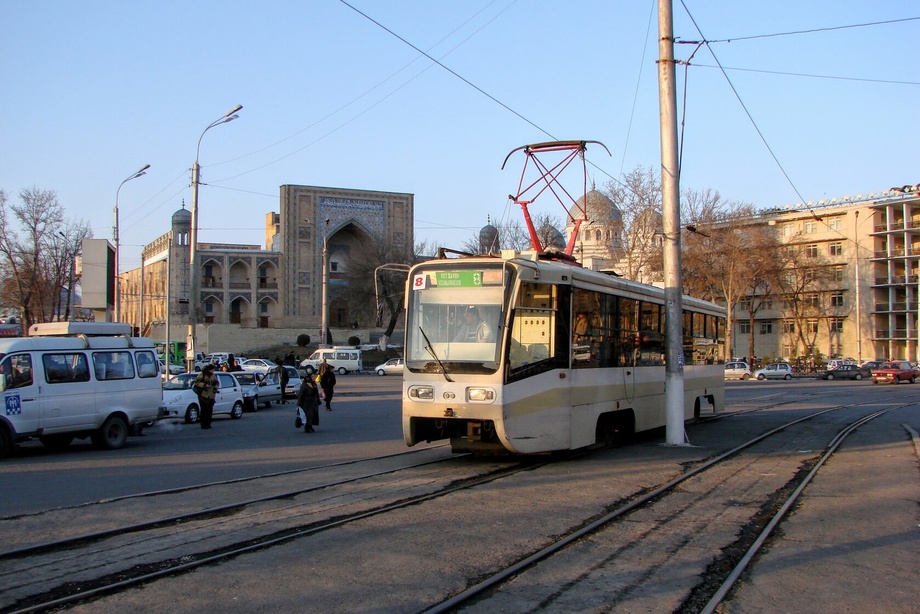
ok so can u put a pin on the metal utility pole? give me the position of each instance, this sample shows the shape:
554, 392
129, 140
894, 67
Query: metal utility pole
670, 204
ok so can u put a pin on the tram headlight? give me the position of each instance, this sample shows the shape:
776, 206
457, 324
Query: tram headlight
421, 393
480, 395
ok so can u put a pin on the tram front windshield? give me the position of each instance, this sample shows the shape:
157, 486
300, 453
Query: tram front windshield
454, 316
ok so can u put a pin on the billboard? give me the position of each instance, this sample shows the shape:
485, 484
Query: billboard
98, 274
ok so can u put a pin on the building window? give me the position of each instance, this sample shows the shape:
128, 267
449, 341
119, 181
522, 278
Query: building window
263, 308
789, 326
811, 227
766, 328
811, 251
787, 349
788, 230
209, 307
835, 223
836, 248
744, 328
809, 274
811, 326
837, 325
812, 300
838, 273
837, 299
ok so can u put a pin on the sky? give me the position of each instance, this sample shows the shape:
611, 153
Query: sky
811, 103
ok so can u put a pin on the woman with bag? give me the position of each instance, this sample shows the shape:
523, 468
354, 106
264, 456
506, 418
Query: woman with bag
307, 401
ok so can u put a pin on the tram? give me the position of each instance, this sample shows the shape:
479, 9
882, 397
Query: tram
561, 357
528, 352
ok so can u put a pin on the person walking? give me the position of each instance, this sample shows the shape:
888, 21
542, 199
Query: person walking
285, 378
232, 365
326, 379
308, 400
206, 386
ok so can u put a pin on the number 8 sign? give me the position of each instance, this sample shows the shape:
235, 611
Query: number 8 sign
420, 282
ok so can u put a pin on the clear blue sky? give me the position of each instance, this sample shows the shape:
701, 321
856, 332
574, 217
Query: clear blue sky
93, 90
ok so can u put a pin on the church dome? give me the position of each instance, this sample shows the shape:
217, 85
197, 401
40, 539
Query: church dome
182, 217
599, 208
488, 238
551, 237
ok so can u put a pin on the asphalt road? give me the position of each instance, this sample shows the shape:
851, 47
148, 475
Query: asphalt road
365, 421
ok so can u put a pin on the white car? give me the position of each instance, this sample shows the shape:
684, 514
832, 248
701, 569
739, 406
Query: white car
737, 370
394, 366
182, 402
258, 365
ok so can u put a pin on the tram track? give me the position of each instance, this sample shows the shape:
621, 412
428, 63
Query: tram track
54, 573
327, 510
593, 576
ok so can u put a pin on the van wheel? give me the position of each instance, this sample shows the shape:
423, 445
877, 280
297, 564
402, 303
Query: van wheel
342, 370
56, 442
112, 434
191, 414
237, 412
6, 442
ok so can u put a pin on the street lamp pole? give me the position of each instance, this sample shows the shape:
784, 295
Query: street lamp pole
325, 306
190, 348
141, 171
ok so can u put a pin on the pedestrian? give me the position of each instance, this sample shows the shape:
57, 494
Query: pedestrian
326, 379
232, 364
285, 378
206, 386
308, 400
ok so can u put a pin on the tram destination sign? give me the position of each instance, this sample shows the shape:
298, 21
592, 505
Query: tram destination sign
457, 279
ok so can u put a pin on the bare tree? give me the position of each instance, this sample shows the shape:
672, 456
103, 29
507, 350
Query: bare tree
34, 220
388, 267
636, 242
727, 254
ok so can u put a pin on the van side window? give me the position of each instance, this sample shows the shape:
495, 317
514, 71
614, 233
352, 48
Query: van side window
113, 365
18, 371
65, 367
146, 364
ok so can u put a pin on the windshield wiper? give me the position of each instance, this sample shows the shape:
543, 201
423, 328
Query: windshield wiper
433, 355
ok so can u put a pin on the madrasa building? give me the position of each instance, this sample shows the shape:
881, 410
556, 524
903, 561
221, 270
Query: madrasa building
253, 296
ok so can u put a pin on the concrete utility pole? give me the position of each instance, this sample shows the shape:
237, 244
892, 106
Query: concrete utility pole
670, 205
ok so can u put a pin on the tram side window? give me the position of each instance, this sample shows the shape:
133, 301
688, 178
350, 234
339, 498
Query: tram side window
65, 367
651, 335
536, 344
17, 371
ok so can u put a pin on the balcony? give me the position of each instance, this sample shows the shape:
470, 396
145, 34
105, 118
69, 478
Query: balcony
210, 282
239, 285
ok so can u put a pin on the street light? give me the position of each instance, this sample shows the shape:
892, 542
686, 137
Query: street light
229, 116
141, 171
325, 307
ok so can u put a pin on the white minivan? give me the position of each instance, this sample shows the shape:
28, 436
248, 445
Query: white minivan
75, 380
342, 359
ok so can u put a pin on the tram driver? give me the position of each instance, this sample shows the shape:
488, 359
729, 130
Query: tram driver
474, 329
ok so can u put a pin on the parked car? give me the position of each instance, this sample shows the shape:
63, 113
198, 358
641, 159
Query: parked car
258, 388
873, 364
737, 370
394, 366
776, 370
836, 362
181, 401
894, 372
845, 372
294, 382
258, 365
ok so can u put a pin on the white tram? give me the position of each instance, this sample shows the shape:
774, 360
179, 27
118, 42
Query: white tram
551, 357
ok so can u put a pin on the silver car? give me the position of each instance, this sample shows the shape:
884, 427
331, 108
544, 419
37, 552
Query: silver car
259, 389
776, 370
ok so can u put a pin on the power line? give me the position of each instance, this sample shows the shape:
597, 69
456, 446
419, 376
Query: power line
795, 74
812, 31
